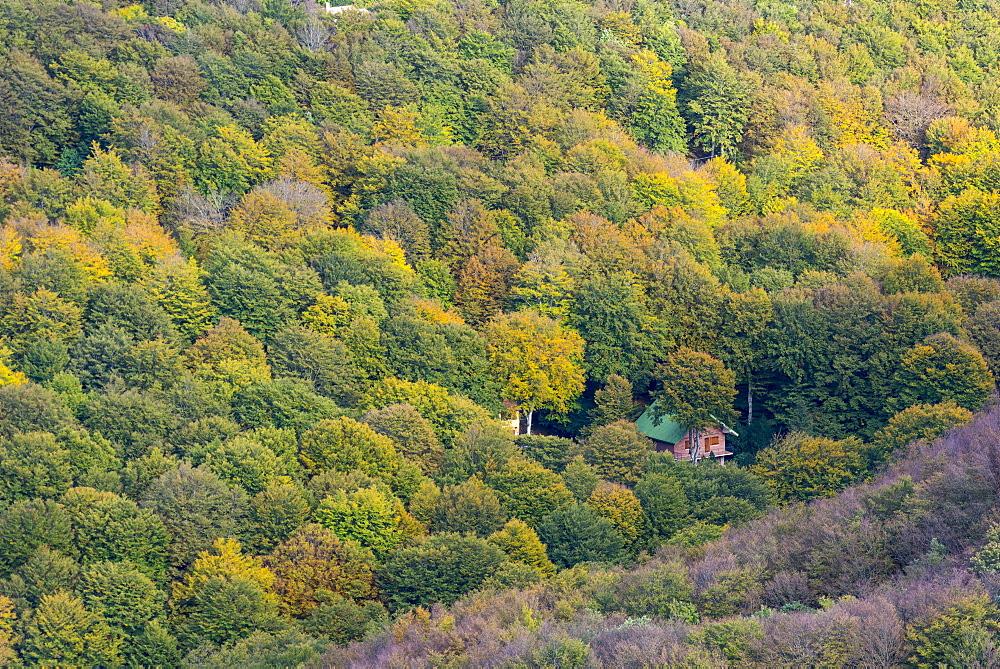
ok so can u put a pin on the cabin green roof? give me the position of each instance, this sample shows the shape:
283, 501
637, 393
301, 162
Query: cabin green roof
667, 429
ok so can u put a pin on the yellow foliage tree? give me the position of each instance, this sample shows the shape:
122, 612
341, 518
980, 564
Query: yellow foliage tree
41, 315
433, 312
11, 245
225, 561
620, 506
536, 361
855, 114
327, 314
9, 377
262, 218
63, 237
397, 125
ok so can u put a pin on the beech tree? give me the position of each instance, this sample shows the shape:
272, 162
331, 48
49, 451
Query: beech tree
369, 516
803, 467
314, 563
696, 390
621, 506
942, 369
528, 490
345, 444
577, 534
442, 568
64, 632
521, 544
197, 508
617, 452
535, 360
468, 507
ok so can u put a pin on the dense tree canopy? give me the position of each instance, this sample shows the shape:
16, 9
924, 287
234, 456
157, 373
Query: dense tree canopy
282, 289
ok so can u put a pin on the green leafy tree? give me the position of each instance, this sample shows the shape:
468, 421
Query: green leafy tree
125, 597
468, 507
742, 344
617, 451
442, 568
961, 635
225, 595
103, 356
942, 369
802, 467
37, 123
987, 559
29, 407
241, 461
528, 490
433, 346
345, 444
227, 352
245, 283
613, 402
548, 450
44, 572
42, 314
27, 525
966, 224
282, 403
128, 307
925, 422
63, 632
274, 513
175, 285
484, 448
412, 433
622, 507
654, 117
577, 534
342, 620
611, 312
369, 516
116, 529
449, 413
314, 564
665, 505
197, 508
717, 105
280, 648
323, 361
580, 477
34, 464
983, 327
92, 458
133, 421
109, 179
697, 391
521, 544
224, 610
43, 359
231, 161
153, 646
535, 360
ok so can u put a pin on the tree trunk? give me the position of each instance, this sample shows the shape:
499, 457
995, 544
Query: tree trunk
695, 445
749, 402
530, 415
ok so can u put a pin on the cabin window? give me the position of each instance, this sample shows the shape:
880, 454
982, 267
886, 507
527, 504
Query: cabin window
712, 441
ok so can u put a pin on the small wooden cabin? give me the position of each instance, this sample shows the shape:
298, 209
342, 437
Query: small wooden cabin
668, 436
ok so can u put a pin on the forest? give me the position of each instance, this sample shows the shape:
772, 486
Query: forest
275, 280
